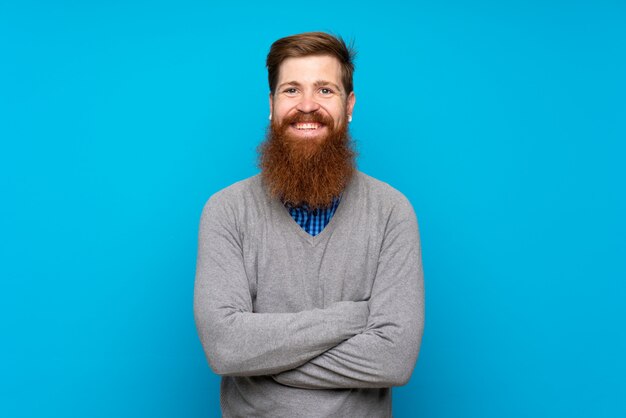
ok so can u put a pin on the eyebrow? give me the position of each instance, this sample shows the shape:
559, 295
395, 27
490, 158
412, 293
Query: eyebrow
318, 83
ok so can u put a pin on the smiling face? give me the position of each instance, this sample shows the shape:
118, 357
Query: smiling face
310, 98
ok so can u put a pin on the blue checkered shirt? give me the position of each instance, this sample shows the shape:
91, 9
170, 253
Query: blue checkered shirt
313, 221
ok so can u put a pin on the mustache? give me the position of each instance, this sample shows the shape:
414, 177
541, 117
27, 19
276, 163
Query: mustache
314, 117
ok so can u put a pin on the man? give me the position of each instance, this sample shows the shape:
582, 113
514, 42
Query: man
309, 297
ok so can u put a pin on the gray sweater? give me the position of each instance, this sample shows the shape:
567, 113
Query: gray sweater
303, 326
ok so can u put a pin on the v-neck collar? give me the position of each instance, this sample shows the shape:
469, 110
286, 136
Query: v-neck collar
292, 226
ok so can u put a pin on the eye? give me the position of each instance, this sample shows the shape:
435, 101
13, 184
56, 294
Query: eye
326, 91
290, 91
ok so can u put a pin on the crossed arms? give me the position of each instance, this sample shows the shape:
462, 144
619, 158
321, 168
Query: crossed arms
350, 344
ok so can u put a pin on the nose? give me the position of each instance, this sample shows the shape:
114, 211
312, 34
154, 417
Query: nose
307, 104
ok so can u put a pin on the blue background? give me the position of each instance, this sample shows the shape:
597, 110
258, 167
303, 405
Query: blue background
504, 124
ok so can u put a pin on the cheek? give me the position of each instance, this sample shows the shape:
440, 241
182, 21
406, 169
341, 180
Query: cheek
338, 113
281, 110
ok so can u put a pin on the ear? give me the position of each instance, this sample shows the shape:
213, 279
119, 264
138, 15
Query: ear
271, 103
351, 100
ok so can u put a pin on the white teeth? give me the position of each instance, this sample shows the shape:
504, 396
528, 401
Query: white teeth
307, 125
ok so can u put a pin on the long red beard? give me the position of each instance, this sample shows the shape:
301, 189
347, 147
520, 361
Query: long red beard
310, 172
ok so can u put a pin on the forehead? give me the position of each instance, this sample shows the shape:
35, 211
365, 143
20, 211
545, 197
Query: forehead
310, 69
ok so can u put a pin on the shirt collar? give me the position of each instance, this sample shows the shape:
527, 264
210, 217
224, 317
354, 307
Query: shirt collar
305, 207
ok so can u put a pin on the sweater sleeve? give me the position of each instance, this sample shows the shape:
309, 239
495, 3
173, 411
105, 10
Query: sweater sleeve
240, 342
384, 355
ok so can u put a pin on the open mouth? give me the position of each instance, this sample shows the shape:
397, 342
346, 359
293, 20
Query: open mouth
307, 126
